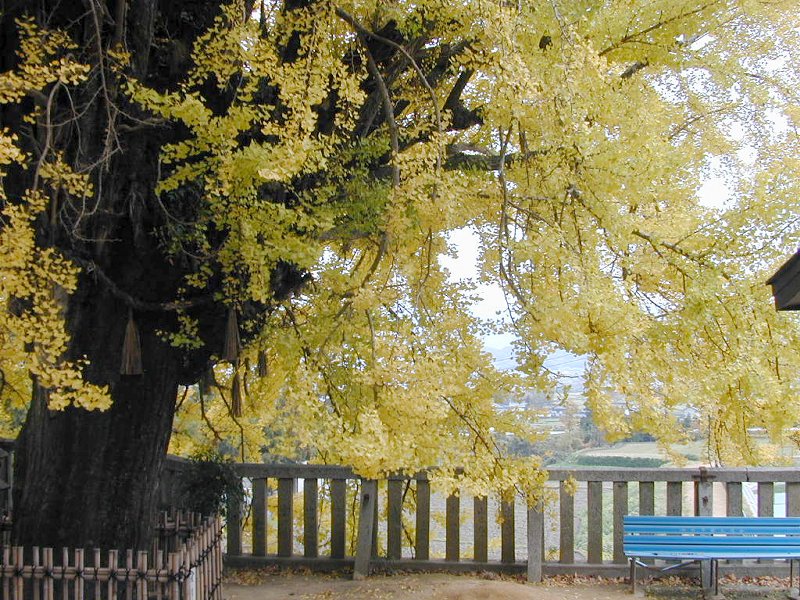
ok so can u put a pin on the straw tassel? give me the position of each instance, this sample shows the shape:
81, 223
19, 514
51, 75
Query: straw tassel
263, 368
230, 351
236, 395
131, 349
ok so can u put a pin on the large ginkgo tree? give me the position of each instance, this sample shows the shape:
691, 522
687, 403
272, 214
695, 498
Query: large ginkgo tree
256, 196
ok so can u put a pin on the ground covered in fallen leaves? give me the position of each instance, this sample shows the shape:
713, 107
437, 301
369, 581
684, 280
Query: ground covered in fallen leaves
269, 584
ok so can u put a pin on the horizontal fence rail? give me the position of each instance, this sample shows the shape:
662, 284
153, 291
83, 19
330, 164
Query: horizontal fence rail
314, 516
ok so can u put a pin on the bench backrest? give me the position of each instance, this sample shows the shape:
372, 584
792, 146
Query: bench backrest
711, 537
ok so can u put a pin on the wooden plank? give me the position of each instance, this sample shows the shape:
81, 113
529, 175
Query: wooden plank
704, 507
507, 532
594, 501
792, 499
338, 517
647, 498
234, 527
766, 499
452, 551
480, 528
394, 526
376, 521
285, 517
566, 540
766, 503
423, 520
310, 518
535, 542
733, 499
366, 524
259, 517
284, 471
620, 508
141, 583
674, 498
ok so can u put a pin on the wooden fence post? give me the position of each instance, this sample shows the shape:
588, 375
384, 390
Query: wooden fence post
366, 524
704, 505
535, 537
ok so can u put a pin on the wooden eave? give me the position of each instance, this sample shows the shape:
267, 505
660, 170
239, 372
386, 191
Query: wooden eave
786, 284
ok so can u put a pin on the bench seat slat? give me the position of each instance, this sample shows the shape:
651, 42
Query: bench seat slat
785, 522
709, 540
701, 552
733, 529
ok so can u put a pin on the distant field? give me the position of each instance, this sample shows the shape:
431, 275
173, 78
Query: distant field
692, 451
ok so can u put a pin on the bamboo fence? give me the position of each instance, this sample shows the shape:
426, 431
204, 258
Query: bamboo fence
185, 563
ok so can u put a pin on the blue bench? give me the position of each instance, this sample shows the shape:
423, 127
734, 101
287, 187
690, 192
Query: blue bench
694, 539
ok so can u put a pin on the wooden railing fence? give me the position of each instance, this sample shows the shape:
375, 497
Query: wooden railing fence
570, 533
185, 564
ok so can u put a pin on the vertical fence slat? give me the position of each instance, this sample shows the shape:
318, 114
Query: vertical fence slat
141, 582
480, 528
37, 588
620, 508
310, 518
704, 507
5, 582
79, 578
647, 497
19, 562
174, 567
394, 525
285, 517
507, 532
375, 521
452, 550
423, 520
366, 524
259, 517
128, 574
47, 582
594, 502
338, 517
566, 540
234, 527
535, 541
733, 499
766, 499
113, 563
793, 499
674, 498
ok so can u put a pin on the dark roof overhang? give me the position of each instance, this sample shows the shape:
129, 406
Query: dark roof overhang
786, 284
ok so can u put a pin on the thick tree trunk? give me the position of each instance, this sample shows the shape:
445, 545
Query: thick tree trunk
89, 478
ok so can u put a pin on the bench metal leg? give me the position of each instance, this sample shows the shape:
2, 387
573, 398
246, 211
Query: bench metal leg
635, 589
794, 592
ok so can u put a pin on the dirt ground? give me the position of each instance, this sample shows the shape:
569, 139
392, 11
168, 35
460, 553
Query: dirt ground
295, 586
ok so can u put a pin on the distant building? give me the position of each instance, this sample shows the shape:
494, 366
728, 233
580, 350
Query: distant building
786, 284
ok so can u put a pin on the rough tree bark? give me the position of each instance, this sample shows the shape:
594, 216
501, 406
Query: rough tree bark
86, 478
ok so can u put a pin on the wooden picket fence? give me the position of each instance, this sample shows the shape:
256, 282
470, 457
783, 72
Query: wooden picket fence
185, 563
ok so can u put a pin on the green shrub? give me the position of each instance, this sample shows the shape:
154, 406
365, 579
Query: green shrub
209, 483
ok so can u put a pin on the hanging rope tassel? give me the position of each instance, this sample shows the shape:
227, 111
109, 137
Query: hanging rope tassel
230, 351
131, 349
236, 395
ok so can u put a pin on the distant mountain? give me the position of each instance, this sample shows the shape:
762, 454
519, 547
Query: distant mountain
503, 357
